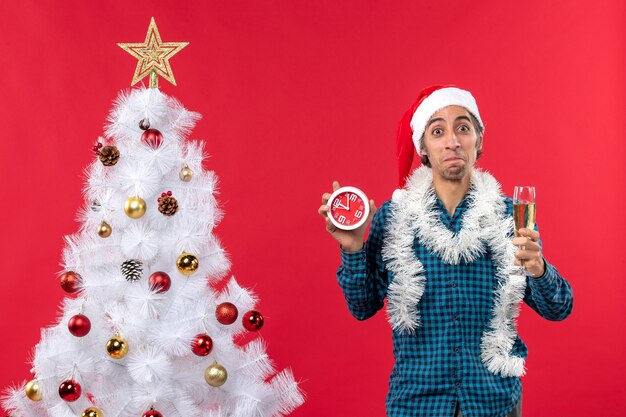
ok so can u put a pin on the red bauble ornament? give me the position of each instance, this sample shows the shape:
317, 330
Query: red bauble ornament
202, 344
152, 138
252, 320
226, 313
79, 325
152, 413
69, 390
159, 282
70, 281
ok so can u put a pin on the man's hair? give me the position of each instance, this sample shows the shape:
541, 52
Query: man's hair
477, 127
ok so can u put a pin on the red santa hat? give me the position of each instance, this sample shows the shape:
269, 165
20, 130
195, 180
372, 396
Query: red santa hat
412, 125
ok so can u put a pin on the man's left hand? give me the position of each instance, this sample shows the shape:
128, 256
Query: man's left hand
529, 252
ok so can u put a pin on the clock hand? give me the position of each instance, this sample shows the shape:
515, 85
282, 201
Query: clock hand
339, 204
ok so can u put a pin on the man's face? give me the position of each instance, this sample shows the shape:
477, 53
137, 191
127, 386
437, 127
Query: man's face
450, 143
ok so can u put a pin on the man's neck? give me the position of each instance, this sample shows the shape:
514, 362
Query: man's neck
451, 192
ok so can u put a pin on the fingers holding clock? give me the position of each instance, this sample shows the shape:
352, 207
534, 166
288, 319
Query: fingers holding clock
326, 196
372, 211
323, 210
330, 227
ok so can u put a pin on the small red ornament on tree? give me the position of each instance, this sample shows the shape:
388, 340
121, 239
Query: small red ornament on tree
159, 282
167, 194
79, 325
152, 138
69, 390
152, 413
96, 148
202, 344
226, 313
252, 320
69, 282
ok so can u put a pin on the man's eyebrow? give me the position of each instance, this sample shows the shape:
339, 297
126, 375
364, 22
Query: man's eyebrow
441, 119
438, 119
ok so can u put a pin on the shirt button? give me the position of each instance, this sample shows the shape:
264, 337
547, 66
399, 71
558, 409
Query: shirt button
458, 383
454, 285
455, 317
453, 403
457, 349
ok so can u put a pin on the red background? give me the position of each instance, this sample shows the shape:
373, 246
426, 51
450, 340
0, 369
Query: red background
295, 94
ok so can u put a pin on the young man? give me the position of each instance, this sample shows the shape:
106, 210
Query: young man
441, 252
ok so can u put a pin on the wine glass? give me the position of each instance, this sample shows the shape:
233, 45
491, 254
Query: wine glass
524, 212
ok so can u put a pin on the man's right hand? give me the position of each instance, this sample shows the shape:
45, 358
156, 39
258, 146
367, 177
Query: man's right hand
350, 240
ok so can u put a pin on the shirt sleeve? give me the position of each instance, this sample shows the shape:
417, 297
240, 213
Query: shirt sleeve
362, 275
550, 295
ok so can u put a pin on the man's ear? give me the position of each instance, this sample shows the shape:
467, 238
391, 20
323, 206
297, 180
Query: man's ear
479, 143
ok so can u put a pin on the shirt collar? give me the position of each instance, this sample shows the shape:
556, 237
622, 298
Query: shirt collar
452, 222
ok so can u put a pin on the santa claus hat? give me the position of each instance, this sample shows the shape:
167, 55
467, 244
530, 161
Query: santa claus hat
412, 125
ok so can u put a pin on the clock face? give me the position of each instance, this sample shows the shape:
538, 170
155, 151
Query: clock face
349, 208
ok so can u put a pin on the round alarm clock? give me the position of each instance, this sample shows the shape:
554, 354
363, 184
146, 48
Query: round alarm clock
349, 208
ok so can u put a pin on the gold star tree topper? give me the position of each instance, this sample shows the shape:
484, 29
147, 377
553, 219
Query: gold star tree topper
154, 56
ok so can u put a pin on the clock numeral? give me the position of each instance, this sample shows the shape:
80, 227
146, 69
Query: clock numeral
353, 197
341, 219
358, 214
336, 203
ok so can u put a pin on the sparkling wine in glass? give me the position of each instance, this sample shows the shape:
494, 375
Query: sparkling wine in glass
524, 211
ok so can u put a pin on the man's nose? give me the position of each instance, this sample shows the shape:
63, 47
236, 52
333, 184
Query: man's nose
452, 140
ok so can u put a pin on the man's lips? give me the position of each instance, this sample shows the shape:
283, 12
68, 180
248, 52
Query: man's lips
453, 159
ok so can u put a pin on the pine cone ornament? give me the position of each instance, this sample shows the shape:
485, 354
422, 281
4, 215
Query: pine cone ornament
132, 270
109, 155
168, 204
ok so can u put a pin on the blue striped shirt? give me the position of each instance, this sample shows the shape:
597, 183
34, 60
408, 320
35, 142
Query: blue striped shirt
440, 364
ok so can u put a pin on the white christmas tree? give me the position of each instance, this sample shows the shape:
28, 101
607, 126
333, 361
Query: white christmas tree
145, 332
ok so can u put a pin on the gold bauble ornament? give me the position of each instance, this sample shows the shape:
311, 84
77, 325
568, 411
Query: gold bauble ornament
104, 230
33, 391
135, 207
117, 347
215, 375
92, 412
187, 264
186, 173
